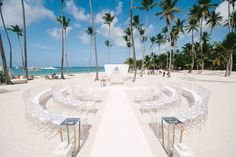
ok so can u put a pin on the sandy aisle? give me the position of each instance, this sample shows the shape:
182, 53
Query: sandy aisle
119, 133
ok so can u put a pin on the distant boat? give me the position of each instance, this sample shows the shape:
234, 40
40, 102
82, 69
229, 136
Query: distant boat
48, 68
34, 68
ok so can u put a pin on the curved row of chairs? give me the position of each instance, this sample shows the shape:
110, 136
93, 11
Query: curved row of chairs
195, 116
149, 94
174, 97
36, 108
84, 94
61, 97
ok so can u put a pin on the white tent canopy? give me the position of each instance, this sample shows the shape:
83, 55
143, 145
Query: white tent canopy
122, 68
116, 73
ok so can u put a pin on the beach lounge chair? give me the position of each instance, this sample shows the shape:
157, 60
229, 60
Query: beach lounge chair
19, 81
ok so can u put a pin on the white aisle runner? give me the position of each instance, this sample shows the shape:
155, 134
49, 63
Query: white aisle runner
119, 134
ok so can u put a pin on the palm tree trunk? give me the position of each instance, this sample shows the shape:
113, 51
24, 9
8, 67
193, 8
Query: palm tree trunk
231, 64
229, 24
90, 55
4, 63
143, 54
201, 47
8, 39
227, 67
132, 38
94, 39
233, 15
167, 60
193, 54
144, 45
109, 45
62, 41
231, 55
25, 41
129, 52
22, 56
67, 64
169, 70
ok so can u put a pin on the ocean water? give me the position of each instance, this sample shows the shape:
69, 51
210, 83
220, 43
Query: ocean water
57, 70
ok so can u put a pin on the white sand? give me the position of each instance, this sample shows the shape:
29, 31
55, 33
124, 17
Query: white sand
216, 139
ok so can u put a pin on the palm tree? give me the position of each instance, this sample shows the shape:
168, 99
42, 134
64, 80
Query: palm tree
62, 38
90, 32
137, 22
232, 21
132, 37
4, 62
214, 19
146, 5
16, 29
191, 27
143, 39
179, 26
165, 31
108, 18
203, 9
169, 9
229, 46
188, 48
7, 35
108, 44
174, 35
25, 41
65, 24
152, 40
126, 38
129, 45
159, 40
94, 39
138, 26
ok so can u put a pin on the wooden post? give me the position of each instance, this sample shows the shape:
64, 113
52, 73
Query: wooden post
162, 133
173, 135
68, 135
79, 135
60, 131
181, 134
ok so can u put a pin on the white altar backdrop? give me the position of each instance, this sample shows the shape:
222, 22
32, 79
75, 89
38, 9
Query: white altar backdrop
122, 68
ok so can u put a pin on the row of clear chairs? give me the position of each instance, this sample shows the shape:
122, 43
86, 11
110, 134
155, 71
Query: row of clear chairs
149, 94
76, 105
85, 94
37, 114
196, 115
174, 97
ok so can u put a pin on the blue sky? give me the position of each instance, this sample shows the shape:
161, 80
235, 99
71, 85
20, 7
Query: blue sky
44, 44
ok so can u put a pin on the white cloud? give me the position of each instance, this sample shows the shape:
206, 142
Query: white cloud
149, 29
119, 8
116, 30
78, 14
45, 47
35, 12
84, 38
223, 10
76, 25
56, 32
